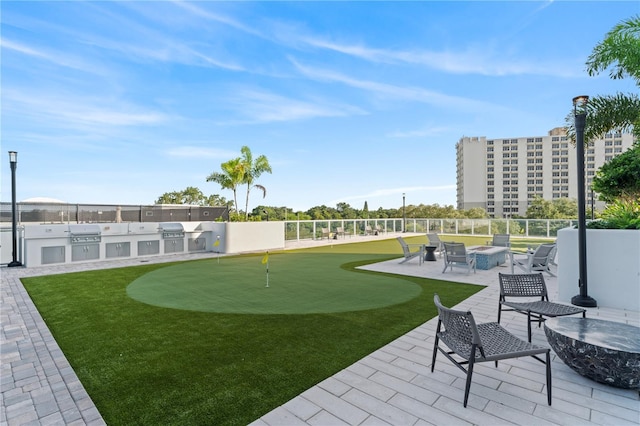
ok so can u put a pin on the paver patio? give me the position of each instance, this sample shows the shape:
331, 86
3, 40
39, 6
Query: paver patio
394, 385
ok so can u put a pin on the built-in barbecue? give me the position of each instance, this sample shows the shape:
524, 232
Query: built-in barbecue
85, 233
171, 230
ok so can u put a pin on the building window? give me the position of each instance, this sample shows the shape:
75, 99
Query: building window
489, 155
490, 142
505, 147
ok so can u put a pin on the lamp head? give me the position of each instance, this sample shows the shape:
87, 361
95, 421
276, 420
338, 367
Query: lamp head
580, 104
13, 157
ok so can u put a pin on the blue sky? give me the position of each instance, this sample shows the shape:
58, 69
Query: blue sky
120, 102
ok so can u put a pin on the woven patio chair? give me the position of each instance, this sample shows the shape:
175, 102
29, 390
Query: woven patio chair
408, 254
480, 343
456, 255
531, 286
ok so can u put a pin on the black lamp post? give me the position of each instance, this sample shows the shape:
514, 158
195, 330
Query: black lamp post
580, 114
404, 215
13, 161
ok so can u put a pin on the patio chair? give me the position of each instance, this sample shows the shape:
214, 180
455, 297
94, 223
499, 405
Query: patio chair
531, 286
378, 230
341, 232
539, 259
500, 240
408, 254
456, 255
476, 343
326, 233
434, 240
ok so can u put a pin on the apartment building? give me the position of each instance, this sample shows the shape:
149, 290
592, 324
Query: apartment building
503, 176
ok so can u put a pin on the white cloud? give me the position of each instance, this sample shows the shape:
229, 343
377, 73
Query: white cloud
261, 106
481, 59
202, 153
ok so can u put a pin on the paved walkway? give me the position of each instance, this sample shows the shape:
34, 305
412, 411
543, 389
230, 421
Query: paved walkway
393, 385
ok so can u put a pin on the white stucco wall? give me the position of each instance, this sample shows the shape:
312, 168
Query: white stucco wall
613, 267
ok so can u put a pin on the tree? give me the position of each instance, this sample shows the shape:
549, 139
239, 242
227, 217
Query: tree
620, 177
565, 208
541, 209
231, 176
620, 51
192, 196
251, 170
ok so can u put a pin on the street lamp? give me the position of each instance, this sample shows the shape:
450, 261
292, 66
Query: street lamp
13, 161
404, 215
580, 115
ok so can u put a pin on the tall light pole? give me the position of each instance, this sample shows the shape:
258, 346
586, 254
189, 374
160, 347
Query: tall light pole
404, 215
13, 162
580, 114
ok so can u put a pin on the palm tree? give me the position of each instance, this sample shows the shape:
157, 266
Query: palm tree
619, 50
231, 176
252, 169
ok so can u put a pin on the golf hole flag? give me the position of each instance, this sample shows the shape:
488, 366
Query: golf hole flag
265, 261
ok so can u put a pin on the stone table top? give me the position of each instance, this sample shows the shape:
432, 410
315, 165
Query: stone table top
605, 334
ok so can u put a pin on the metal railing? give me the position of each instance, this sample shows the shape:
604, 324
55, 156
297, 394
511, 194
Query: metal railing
541, 228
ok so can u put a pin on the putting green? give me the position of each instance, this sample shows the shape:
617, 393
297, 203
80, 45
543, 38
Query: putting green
298, 284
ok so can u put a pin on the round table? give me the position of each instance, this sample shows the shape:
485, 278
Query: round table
604, 351
430, 253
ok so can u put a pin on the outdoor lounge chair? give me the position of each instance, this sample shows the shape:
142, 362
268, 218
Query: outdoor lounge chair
408, 254
434, 240
326, 233
531, 286
456, 255
500, 240
341, 232
480, 343
539, 259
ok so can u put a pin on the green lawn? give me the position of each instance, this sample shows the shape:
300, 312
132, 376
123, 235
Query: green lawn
148, 364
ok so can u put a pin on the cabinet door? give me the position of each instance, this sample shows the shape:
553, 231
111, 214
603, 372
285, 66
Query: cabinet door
174, 246
148, 247
118, 249
54, 254
197, 244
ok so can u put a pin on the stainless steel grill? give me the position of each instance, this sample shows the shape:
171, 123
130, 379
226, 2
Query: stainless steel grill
82, 234
172, 230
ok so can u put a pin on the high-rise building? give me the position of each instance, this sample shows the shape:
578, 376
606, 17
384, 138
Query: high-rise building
504, 175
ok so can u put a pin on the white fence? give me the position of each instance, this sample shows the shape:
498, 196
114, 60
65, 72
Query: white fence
541, 228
